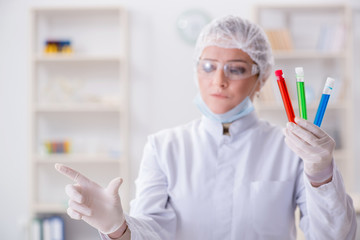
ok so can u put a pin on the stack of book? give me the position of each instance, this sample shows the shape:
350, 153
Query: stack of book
48, 228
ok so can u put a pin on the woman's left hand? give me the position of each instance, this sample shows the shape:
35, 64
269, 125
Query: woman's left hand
314, 146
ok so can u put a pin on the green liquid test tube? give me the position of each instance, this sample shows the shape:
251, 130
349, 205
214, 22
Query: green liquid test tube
300, 85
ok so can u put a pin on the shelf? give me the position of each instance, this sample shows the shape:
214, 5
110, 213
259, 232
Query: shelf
76, 58
301, 7
62, 9
82, 96
50, 208
319, 38
77, 108
76, 158
307, 54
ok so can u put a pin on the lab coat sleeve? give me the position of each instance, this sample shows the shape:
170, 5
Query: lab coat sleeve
327, 212
152, 216
126, 236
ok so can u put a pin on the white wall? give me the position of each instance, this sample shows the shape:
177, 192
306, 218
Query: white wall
162, 87
13, 123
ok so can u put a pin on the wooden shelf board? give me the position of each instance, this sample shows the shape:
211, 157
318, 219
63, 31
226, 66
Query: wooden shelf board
76, 158
77, 108
58, 57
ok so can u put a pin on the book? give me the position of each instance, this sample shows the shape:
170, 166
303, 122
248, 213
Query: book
48, 228
280, 39
36, 229
331, 38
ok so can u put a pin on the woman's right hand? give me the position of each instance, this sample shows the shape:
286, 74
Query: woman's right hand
99, 207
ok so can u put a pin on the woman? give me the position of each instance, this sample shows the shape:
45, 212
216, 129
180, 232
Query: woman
227, 175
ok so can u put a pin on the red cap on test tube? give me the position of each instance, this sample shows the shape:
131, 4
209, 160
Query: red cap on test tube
279, 73
285, 95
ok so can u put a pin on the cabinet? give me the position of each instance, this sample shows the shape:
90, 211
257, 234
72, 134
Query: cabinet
78, 104
317, 38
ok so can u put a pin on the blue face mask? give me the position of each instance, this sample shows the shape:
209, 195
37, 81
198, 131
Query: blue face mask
241, 110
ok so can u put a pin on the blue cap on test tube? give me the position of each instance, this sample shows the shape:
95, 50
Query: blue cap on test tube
329, 85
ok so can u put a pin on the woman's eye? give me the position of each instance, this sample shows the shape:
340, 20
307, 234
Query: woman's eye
237, 70
208, 67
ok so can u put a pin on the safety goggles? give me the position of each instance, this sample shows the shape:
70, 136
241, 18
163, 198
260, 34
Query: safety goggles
233, 70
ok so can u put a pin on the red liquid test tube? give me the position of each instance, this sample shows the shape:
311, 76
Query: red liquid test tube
285, 95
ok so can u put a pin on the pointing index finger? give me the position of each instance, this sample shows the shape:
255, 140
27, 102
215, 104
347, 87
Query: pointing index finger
72, 174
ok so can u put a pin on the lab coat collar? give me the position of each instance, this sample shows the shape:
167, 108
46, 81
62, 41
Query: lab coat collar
240, 125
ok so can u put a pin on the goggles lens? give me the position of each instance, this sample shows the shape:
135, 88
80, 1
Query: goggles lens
235, 70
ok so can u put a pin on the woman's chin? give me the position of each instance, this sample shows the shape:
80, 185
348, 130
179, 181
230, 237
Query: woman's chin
219, 110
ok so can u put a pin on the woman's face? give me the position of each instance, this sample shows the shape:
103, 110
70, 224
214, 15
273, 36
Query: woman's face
218, 88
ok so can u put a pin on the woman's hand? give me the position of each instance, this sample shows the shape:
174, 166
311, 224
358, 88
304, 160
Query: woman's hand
99, 207
314, 146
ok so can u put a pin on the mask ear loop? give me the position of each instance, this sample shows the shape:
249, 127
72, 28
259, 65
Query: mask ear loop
254, 87
255, 70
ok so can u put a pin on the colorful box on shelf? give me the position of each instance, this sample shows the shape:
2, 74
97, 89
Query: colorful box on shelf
58, 46
57, 146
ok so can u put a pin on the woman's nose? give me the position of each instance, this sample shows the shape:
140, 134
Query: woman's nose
220, 78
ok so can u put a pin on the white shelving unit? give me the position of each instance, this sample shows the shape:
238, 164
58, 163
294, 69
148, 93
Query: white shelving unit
320, 57
355, 45
320, 37
81, 98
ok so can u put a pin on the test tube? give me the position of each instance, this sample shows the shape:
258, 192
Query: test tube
300, 86
324, 101
285, 95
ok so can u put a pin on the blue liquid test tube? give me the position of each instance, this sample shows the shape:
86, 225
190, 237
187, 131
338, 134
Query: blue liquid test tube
329, 85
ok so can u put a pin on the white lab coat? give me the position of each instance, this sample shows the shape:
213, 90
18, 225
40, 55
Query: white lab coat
196, 183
